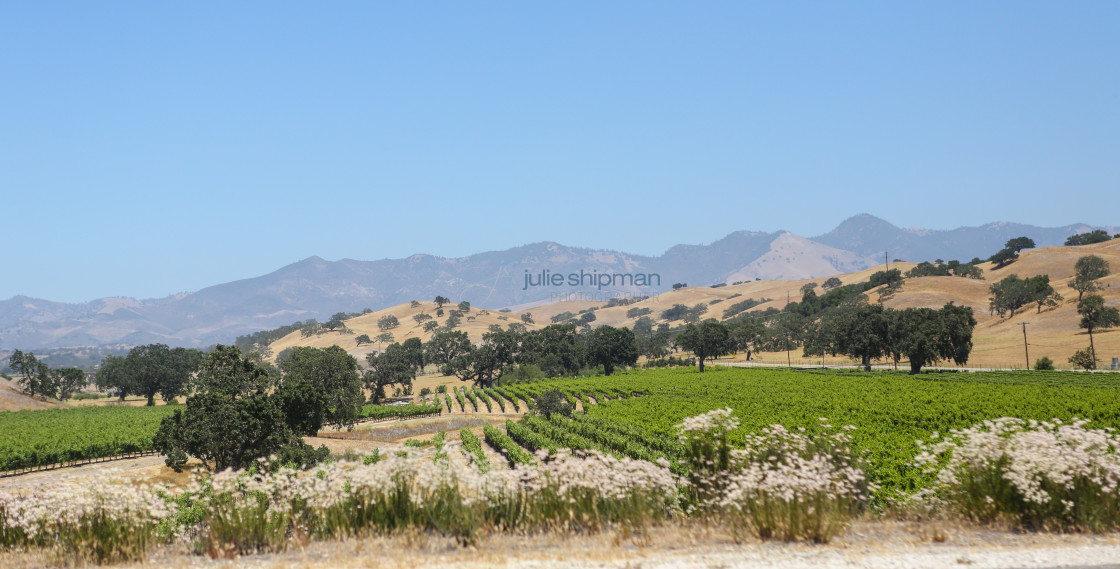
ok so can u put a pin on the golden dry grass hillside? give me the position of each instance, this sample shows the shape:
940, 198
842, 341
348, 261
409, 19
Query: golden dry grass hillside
12, 398
998, 342
475, 323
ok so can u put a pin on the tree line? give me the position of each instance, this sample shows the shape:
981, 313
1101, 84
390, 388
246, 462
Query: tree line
37, 378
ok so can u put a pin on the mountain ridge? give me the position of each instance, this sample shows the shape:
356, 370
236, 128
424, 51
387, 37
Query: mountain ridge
316, 288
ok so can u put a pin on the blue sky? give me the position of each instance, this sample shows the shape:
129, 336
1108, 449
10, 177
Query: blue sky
149, 148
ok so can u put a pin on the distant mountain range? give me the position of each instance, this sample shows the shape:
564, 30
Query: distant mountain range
521, 276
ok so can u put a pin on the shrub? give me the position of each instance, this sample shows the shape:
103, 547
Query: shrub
552, 402
671, 361
785, 485
441, 389
792, 486
1044, 364
523, 372
708, 449
1040, 475
1085, 359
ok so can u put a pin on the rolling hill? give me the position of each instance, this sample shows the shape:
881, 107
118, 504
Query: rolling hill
317, 288
998, 341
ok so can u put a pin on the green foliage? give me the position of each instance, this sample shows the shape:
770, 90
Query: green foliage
743, 306
320, 387
33, 375
926, 336
88, 396
1095, 315
859, 331
638, 311
472, 447
675, 312
1044, 364
624, 301
1019, 243
890, 278
260, 340
445, 346
67, 381
504, 445
148, 370
708, 340
495, 396
953, 268
890, 410
469, 393
831, 283
387, 322
611, 347
552, 402
394, 366
1086, 273
671, 361
1085, 359
1095, 236
51, 436
379, 412
238, 413
1012, 293
1003, 258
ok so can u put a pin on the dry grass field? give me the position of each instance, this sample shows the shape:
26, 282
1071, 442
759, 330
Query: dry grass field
13, 399
475, 323
998, 342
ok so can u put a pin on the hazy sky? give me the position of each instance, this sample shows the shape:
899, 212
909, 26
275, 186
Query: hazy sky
149, 148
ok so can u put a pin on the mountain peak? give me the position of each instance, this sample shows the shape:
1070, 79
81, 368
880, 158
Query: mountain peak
864, 222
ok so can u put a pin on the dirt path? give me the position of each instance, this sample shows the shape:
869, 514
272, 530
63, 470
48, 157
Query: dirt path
867, 545
139, 469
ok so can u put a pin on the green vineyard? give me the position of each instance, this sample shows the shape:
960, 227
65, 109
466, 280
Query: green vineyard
634, 413
385, 412
30, 439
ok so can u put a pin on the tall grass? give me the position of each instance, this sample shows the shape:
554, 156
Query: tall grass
104, 523
261, 511
781, 485
1039, 475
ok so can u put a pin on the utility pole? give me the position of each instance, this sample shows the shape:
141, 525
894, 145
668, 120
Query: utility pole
886, 259
1025, 349
789, 362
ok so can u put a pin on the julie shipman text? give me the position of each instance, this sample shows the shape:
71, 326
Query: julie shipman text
594, 278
